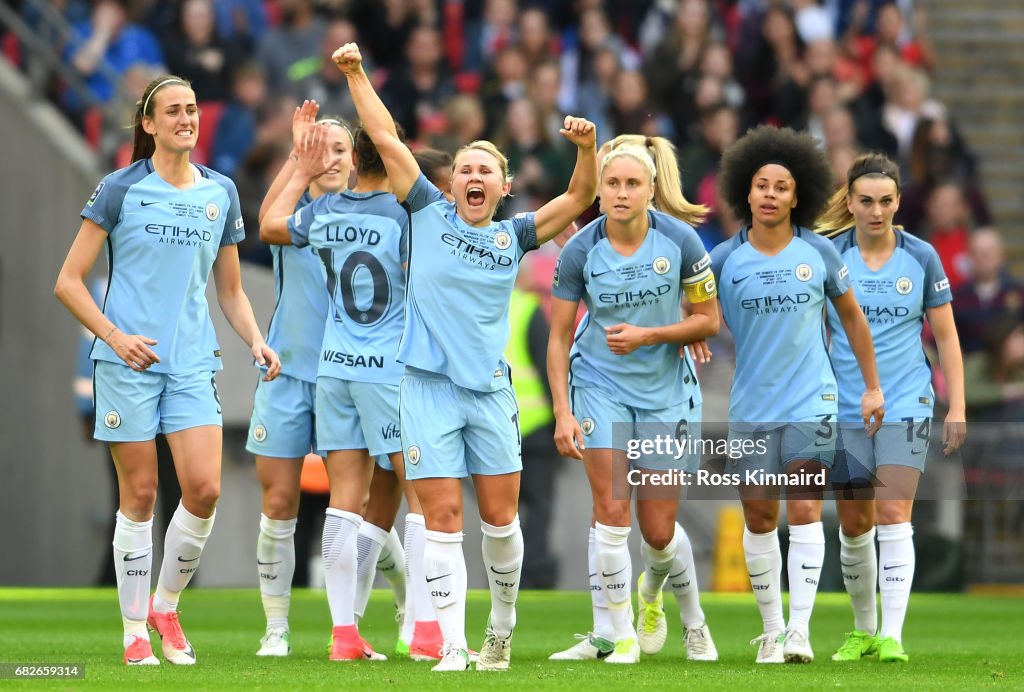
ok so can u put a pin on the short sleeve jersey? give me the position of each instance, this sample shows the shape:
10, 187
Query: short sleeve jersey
894, 300
773, 306
161, 244
645, 290
361, 240
460, 285
300, 307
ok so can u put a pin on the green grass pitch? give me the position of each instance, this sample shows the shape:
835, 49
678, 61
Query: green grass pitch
954, 641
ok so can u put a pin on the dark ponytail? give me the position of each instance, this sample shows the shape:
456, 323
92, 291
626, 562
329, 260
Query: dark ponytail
143, 144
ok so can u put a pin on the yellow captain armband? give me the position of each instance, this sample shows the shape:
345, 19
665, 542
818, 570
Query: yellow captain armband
701, 289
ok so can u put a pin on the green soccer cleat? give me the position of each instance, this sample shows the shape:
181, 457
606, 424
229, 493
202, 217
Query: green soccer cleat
651, 628
858, 644
401, 648
891, 651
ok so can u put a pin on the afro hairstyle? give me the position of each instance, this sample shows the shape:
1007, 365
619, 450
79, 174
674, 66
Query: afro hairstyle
797, 152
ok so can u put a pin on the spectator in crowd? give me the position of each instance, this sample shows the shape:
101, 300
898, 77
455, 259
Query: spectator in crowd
544, 87
327, 86
536, 40
245, 21
863, 40
464, 123
539, 164
584, 64
994, 377
290, 51
840, 158
103, 48
813, 22
946, 228
196, 51
720, 127
937, 153
674, 65
506, 84
492, 33
775, 76
384, 27
992, 293
416, 92
236, 131
907, 103
716, 61
631, 111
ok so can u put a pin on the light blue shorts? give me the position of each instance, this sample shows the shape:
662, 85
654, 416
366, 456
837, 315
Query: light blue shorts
903, 443
608, 424
134, 406
283, 418
357, 415
384, 462
774, 449
449, 431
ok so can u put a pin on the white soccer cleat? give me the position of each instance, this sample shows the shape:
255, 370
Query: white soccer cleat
590, 647
769, 648
496, 651
276, 642
651, 627
797, 648
699, 645
452, 660
626, 651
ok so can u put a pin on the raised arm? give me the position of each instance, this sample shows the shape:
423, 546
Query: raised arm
303, 119
308, 166
954, 431
377, 121
872, 403
553, 217
568, 434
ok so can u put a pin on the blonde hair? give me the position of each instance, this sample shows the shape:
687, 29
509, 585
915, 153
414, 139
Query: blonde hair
488, 147
659, 156
837, 216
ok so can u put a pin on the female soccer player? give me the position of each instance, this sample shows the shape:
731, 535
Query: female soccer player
774, 278
899, 281
626, 370
281, 432
458, 412
166, 222
361, 237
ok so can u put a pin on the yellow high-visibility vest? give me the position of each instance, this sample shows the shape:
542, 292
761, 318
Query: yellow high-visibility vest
534, 407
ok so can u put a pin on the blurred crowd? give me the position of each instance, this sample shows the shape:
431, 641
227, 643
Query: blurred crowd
855, 73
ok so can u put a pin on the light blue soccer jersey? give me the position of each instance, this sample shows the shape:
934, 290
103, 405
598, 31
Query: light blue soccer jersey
300, 307
161, 244
645, 290
460, 286
773, 306
894, 300
361, 239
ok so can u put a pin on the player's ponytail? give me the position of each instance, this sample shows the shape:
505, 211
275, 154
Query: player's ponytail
837, 216
668, 193
143, 144
659, 155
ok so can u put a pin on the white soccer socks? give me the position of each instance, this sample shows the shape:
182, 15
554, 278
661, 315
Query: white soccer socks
183, 545
502, 548
615, 572
445, 576
339, 554
133, 562
806, 555
860, 572
275, 561
764, 565
896, 560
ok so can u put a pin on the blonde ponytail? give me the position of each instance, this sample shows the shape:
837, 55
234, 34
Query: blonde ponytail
837, 216
659, 155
